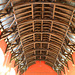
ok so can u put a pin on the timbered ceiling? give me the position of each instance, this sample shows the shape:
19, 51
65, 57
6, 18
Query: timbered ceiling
38, 30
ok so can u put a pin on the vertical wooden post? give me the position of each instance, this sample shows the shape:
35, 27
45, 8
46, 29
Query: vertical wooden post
32, 12
54, 11
42, 11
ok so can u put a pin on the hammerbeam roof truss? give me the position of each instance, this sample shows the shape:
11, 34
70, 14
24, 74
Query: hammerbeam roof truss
40, 28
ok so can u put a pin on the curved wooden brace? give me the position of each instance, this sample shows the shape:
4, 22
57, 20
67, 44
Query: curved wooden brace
40, 50
32, 33
41, 42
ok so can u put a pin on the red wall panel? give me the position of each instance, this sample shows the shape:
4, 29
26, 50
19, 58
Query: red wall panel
3, 45
7, 58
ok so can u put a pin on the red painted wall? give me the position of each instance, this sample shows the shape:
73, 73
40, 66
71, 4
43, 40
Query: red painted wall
40, 68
